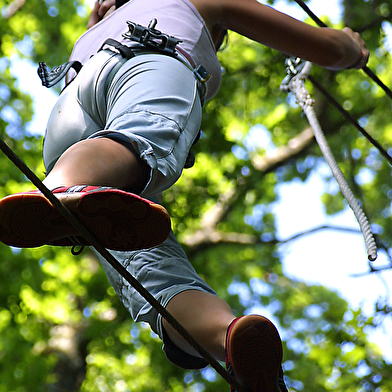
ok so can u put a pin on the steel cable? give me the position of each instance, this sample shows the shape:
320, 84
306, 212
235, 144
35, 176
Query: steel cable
351, 118
332, 100
365, 69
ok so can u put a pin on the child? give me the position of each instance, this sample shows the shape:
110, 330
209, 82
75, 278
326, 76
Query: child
120, 134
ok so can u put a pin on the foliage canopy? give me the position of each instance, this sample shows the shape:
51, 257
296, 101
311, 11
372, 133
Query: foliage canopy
62, 327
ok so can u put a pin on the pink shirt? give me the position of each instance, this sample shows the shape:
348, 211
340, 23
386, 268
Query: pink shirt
178, 18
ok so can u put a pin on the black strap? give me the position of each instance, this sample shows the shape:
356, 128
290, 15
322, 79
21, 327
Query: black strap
125, 51
120, 3
51, 78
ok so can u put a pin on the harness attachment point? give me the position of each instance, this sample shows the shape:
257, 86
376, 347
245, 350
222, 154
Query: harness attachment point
151, 37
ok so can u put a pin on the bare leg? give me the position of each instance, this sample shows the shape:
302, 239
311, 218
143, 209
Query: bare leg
97, 162
205, 316
105, 162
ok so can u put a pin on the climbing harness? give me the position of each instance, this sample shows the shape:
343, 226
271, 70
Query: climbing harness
163, 43
151, 40
294, 82
151, 37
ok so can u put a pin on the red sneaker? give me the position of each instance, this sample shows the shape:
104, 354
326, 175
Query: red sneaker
120, 220
254, 354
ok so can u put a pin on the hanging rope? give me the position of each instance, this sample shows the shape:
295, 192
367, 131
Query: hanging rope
365, 69
118, 267
295, 83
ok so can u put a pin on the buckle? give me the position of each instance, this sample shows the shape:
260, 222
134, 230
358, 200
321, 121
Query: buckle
202, 74
151, 37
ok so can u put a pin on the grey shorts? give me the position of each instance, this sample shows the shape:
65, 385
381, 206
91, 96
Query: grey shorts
165, 272
152, 103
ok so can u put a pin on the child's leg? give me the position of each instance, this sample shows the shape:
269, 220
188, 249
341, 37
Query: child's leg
250, 345
101, 162
205, 316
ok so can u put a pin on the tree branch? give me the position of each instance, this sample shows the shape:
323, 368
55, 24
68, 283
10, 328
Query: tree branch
217, 213
13, 8
372, 270
203, 239
208, 235
295, 146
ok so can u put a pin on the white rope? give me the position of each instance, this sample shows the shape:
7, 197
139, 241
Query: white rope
297, 86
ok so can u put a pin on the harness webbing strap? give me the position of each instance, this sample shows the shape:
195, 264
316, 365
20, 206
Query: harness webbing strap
125, 51
118, 267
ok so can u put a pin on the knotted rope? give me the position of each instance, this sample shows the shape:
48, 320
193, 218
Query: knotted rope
295, 82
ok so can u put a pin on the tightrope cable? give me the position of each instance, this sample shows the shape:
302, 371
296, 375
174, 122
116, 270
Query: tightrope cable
350, 118
365, 69
335, 103
118, 267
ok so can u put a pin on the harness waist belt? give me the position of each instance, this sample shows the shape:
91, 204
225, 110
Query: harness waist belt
153, 40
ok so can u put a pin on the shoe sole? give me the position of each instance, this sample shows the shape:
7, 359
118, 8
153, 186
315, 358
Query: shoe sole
256, 354
119, 220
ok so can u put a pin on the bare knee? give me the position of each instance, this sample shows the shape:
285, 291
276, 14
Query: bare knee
205, 316
100, 161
